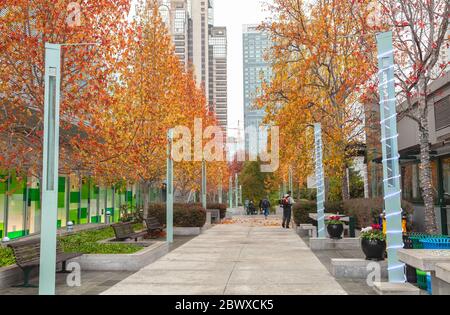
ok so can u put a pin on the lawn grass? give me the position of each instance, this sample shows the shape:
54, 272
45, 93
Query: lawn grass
87, 243
83, 242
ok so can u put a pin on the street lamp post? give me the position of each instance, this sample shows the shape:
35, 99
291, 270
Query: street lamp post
230, 192
290, 180
50, 169
169, 189
236, 182
204, 183
220, 191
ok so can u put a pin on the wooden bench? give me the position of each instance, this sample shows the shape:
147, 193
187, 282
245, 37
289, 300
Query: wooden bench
124, 231
28, 253
153, 226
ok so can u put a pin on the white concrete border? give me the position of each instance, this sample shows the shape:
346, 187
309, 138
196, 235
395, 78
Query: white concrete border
123, 262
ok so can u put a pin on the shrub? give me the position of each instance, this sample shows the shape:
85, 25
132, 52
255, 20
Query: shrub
6, 257
367, 211
301, 211
218, 206
303, 208
184, 215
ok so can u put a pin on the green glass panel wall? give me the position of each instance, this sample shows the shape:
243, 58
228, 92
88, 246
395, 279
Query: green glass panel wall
15, 208
94, 195
62, 197
2, 203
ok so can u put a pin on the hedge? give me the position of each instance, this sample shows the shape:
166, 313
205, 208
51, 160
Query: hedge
184, 215
218, 206
365, 211
303, 208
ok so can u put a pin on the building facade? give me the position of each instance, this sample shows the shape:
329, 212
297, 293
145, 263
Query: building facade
201, 46
256, 71
218, 79
80, 201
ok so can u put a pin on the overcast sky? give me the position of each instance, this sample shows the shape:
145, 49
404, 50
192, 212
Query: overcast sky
233, 14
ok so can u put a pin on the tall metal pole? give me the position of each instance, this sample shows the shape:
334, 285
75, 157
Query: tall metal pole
236, 182
220, 189
240, 194
50, 169
230, 193
391, 167
320, 179
290, 180
204, 184
169, 192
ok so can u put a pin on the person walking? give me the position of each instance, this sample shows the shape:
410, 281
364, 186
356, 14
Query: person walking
287, 203
265, 206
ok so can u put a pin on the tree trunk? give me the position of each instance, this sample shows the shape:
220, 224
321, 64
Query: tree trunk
145, 191
425, 166
345, 192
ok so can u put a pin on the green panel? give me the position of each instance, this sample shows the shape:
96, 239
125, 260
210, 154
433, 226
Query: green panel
73, 216
84, 221
74, 197
59, 224
34, 194
83, 213
95, 219
61, 184
85, 191
16, 234
61, 199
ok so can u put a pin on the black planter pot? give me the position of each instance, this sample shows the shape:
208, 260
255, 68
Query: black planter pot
335, 231
373, 249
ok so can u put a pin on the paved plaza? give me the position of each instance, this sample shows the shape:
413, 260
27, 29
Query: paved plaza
244, 257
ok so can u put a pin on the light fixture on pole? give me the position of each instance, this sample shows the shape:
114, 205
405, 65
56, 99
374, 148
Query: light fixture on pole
236, 182
220, 189
391, 165
230, 193
50, 169
204, 183
169, 187
290, 179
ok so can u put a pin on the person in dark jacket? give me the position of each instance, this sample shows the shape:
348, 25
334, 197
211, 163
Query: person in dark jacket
287, 203
264, 205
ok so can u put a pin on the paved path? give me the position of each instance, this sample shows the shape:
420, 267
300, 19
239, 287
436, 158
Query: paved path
235, 259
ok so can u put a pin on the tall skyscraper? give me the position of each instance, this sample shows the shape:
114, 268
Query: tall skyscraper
200, 42
202, 46
175, 13
256, 70
218, 94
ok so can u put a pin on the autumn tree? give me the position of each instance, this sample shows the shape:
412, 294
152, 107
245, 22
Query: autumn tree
420, 36
321, 58
25, 27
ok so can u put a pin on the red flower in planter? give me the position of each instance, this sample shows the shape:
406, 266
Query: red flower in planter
376, 227
335, 218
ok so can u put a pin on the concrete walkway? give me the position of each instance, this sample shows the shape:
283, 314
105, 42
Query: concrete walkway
234, 260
